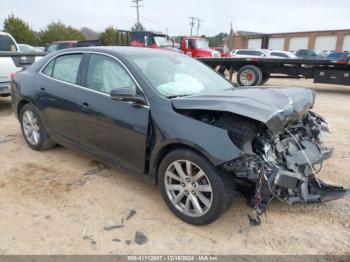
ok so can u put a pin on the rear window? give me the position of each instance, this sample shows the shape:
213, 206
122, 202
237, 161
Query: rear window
66, 68
52, 47
63, 46
48, 69
7, 44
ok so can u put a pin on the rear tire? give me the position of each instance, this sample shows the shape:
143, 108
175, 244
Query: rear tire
33, 129
196, 198
249, 75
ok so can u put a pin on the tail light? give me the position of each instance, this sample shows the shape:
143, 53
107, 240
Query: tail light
342, 61
13, 76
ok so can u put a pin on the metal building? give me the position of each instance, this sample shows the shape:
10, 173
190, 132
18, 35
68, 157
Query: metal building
331, 40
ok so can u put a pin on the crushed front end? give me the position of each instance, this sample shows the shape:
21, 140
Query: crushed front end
283, 165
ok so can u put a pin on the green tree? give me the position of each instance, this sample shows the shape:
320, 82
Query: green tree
56, 31
20, 30
137, 27
109, 36
217, 40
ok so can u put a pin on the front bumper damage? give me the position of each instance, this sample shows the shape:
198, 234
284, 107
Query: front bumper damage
284, 166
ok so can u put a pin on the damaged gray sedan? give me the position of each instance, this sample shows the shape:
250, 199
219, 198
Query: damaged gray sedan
172, 119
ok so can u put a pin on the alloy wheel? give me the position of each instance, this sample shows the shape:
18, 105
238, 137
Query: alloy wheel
30, 127
188, 188
247, 77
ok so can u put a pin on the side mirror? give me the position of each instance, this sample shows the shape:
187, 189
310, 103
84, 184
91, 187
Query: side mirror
127, 94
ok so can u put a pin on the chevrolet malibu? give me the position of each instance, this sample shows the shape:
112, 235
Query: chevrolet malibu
170, 118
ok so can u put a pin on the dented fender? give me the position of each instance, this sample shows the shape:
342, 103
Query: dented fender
212, 142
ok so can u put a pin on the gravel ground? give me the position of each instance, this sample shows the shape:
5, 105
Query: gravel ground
48, 205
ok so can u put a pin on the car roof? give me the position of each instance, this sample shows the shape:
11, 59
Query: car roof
281, 51
63, 42
125, 51
120, 52
249, 50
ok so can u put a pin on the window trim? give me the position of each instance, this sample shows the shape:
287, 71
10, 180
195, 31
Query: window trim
76, 77
79, 72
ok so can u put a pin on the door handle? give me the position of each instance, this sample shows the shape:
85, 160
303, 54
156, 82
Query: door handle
85, 107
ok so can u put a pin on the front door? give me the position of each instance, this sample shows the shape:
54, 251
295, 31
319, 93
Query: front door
113, 130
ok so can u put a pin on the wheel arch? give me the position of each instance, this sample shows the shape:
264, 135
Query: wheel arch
166, 149
20, 106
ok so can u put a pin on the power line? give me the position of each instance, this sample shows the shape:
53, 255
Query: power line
192, 23
198, 25
137, 6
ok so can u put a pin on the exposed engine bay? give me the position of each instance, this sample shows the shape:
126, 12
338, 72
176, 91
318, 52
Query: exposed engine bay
279, 165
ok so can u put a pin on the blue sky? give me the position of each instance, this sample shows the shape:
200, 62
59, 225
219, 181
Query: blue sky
266, 16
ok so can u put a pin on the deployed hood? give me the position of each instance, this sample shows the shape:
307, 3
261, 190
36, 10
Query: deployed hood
273, 106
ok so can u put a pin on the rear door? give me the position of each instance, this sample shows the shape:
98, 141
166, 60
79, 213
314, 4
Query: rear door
58, 94
113, 130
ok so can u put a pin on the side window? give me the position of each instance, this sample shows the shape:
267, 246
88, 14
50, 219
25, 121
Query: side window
66, 68
105, 74
244, 52
279, 54
311, 53
190, 44
52, 48
48, 69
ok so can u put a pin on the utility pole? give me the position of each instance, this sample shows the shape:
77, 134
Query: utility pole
198, 25
192, 23
137, 6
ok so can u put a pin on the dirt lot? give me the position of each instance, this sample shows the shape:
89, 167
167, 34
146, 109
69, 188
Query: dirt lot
48, 205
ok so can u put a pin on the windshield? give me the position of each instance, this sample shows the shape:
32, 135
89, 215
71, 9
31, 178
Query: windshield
162, 41
173, 76
202, 43
7, 44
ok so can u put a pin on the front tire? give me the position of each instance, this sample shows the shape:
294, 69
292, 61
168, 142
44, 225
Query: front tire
33, 129
192, 188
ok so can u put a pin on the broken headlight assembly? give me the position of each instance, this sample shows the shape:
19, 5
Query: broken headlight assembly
284, 165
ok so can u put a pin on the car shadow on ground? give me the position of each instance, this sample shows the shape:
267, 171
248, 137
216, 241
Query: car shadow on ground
5, 106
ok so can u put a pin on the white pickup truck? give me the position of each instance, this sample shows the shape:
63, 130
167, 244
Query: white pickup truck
12, 60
